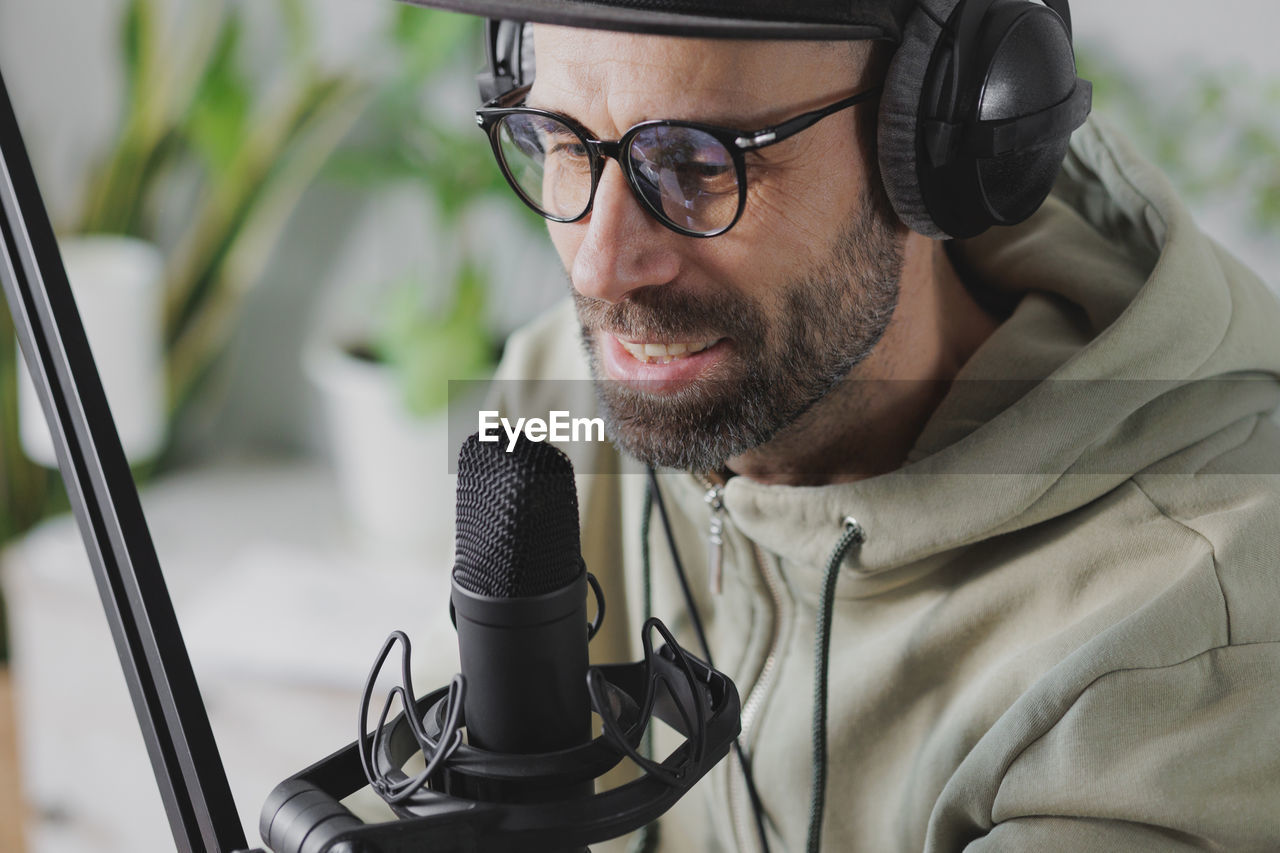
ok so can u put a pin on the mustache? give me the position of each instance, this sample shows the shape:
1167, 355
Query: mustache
668, 312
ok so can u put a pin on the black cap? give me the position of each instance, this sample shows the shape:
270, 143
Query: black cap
517, 522
759, 19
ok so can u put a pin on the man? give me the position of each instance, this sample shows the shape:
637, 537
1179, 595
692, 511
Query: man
984, 530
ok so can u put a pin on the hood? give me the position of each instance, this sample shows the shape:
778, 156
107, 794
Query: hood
1134, 337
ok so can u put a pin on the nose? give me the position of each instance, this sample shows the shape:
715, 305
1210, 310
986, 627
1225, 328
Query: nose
623, 248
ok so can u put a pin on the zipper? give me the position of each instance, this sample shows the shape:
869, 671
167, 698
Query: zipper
715, 539
741, 810
756, 697
740, 806
713, 484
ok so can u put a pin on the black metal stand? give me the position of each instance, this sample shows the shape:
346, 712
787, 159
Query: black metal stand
175, 726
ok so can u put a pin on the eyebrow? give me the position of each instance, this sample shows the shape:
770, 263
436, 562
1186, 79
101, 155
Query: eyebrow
730, 123
535, 104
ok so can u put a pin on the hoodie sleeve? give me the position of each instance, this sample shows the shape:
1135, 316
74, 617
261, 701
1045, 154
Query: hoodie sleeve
1180, 757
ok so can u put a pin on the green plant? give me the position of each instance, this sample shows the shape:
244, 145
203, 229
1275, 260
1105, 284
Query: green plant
26, 489
413, 133
208, 163
429, 346
252, 148
431, 331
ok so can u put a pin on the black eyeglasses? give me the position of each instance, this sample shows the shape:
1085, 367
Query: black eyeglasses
692, 177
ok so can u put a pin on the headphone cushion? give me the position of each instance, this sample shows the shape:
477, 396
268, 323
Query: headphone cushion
900, 113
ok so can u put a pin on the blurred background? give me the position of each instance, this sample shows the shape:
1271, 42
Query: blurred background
309, 240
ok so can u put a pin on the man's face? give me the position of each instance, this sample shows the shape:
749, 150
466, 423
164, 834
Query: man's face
704, 349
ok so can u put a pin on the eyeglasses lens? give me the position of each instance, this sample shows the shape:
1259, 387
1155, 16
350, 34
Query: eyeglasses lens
687, 175
548, 162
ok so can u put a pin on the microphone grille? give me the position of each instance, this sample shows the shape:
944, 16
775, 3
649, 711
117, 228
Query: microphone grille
517, 519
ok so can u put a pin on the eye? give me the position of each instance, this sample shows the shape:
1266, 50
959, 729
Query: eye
571, 147
712, 179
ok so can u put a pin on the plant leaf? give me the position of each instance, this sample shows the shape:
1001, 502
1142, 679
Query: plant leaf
428, 348
298, 28
219, 116
136, 41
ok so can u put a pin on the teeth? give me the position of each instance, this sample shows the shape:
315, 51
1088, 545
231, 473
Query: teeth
664, 353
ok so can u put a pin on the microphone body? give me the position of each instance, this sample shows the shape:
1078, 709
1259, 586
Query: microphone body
519, 596
525, 665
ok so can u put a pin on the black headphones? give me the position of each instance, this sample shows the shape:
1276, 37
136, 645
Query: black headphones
978, 105
508, 51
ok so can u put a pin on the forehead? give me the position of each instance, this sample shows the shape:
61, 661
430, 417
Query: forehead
634, 77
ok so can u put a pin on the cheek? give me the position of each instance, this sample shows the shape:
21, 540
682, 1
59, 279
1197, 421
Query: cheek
804, 209
789, 226
782, 234
807, 198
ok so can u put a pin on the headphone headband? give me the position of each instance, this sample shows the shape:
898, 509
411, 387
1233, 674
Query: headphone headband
1063, 8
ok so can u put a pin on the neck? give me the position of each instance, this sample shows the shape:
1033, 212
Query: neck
869, 422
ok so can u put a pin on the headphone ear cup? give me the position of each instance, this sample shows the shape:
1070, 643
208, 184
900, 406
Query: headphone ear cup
1029, 66
898, 131
1016, 61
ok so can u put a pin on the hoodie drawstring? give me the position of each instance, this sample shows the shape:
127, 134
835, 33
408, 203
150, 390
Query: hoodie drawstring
853, 535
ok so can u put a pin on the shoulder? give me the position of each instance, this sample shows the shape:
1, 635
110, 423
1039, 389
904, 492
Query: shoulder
1158, 732
1184, 751
1226, 493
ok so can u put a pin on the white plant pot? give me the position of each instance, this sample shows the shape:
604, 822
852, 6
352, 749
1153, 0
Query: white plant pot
118, 284
392, 467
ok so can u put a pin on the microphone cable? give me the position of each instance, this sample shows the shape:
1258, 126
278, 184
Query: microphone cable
654, 497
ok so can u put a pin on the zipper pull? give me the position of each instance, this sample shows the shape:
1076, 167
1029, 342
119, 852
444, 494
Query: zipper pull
715, 539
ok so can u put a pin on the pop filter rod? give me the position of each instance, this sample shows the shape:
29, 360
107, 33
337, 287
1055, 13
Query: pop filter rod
303, 814
184, 756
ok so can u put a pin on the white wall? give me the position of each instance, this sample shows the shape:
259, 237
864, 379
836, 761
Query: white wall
1159, 35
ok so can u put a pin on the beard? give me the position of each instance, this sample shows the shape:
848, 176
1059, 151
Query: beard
787, 356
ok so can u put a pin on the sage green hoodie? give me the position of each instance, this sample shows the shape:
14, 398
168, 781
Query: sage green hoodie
1062, 631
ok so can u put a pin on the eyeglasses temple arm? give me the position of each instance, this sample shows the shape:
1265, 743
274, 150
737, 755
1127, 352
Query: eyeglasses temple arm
505, 99
790, 127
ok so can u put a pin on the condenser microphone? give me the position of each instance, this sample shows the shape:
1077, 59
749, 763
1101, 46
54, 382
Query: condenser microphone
524, 776
519, 595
